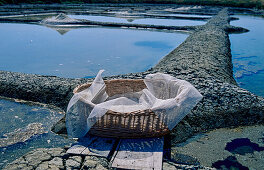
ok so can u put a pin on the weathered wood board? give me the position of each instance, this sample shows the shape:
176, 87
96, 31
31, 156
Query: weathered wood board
94, 146
139, 154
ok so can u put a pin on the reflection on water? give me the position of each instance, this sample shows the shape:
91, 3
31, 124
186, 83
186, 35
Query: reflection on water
151, 21
15, 120
61, 30
81, 52
248, 54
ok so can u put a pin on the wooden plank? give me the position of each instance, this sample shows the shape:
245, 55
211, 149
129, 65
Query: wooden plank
94, 146
139, 154
76, 149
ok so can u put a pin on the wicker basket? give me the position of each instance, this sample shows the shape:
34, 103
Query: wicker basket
137, 124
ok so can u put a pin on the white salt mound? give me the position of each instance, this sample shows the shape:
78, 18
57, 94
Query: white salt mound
61, 18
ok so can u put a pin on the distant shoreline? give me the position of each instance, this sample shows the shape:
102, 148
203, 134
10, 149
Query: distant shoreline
259, 4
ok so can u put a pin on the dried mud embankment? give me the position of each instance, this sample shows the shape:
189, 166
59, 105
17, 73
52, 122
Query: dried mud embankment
204, 59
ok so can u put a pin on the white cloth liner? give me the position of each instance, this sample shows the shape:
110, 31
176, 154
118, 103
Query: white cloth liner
165, 96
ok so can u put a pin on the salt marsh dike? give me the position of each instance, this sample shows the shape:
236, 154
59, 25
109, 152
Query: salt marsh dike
204, 59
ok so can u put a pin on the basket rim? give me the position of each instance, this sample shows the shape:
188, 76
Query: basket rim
75, 90
138, 112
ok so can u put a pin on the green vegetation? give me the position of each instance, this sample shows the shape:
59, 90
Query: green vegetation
235, 3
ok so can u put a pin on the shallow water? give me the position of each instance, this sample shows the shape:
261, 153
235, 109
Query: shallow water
15, 115
248, 54
189, 15
151, 21
169, 22
82, 52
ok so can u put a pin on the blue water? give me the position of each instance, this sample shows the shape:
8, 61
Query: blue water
189, 15
15, 115
248, 53
82, 52
151, 21
170, 22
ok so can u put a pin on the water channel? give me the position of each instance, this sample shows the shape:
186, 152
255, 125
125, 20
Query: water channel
150, 21
248, 53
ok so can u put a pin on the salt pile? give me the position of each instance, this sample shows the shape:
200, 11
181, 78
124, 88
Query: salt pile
59, 19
